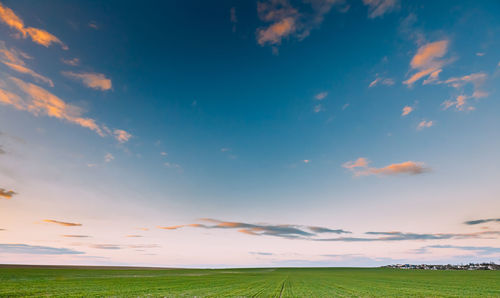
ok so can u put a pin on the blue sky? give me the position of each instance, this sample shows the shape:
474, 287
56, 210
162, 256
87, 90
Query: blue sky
143, 119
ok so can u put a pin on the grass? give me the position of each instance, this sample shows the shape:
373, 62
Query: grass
265, 282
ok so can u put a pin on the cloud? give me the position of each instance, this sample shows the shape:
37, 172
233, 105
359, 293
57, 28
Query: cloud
93, 25
360, 168
7, 194
36, 250
282, 231
424, 124
377, 8
62, 223
427, 61
106, 246
39, 36
96, 81
171, 165
461, 101
407, 110
108, 157
286, 21
320, 230
383, 81
481, 250
233, 18
13, 59
358, 163
39, 101
318, 108
121, 135
259, 253
400, 236
321, 96
24, 70
481, 221
71, 62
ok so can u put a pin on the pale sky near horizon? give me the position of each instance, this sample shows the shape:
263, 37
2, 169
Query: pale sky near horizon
249, 133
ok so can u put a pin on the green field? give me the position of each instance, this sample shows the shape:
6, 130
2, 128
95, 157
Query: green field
279, 282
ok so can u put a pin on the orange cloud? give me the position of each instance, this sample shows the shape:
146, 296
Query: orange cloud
13, 59
427, 62
360, 168
121, 135
407, 167
274, 33
358, 163
24, 70
37, 35
62, 223
92, 80
407, 110
424, 124
37, 100
171, 227
460, 103
7, 194
286, 21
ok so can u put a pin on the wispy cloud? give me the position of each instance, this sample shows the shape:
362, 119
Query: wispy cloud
7, 194
39, 36
377, 8
13, 59
93, 25
108, 157
481, 250
36, 250
62, 223
121, 135
481, 221
285, 21
361, 162
25, 70
424, 124
233, 18
38, 101
282, 231
407, 110
321, 95
360, 167
428, 62
106, 246
383, 81
400, 236
318, 108
260, 253
75, 236
96, 81
461, 101
71, 62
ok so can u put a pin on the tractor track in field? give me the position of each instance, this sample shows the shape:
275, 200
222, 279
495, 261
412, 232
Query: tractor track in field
283, 286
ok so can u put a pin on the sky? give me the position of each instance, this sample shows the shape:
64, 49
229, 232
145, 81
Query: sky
249, 133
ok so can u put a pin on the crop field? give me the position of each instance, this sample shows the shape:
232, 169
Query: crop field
265, 282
